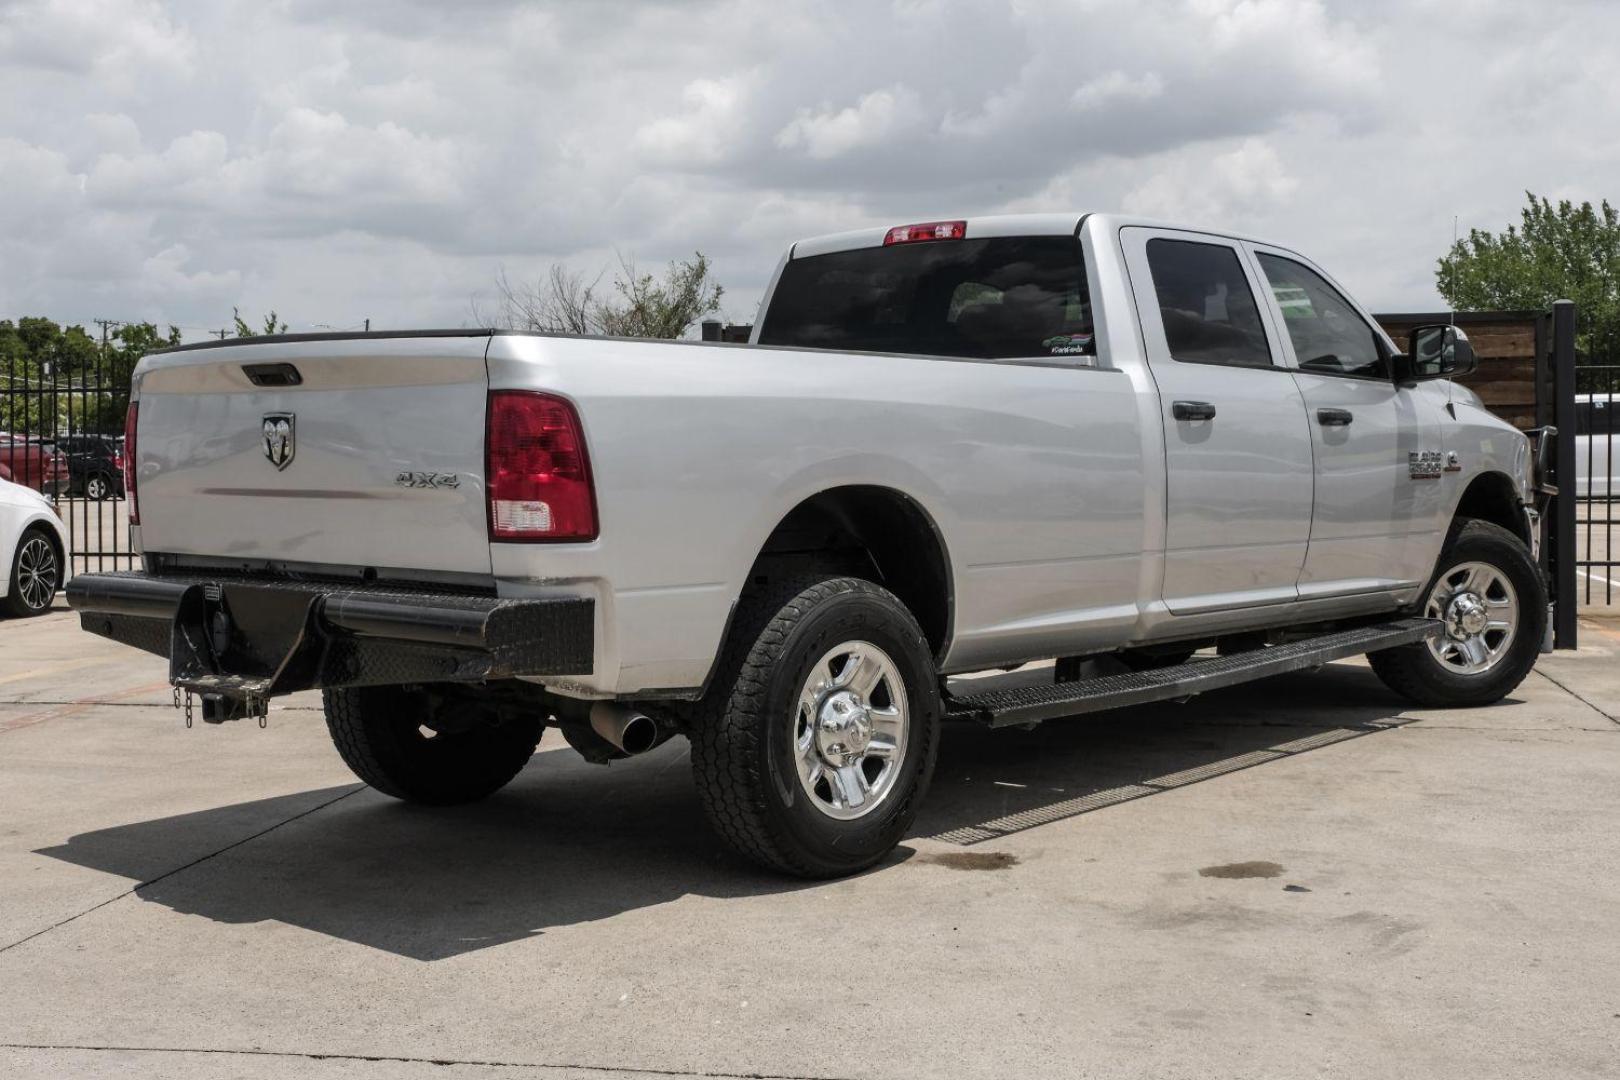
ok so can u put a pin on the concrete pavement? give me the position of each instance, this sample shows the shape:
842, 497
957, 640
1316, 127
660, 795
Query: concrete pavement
1299, 878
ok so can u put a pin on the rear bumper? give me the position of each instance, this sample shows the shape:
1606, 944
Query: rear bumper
241, 641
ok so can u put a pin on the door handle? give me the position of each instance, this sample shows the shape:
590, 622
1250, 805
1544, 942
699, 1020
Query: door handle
1192, 410
1334, 417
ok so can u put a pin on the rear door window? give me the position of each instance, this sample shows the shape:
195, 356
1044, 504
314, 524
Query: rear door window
1208, 309
997, 298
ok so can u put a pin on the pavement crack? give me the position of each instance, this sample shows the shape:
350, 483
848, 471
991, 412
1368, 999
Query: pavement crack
403, 1059
1577, 696
138, 886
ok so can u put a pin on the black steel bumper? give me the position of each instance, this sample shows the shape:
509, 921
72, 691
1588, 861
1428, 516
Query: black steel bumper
240, 641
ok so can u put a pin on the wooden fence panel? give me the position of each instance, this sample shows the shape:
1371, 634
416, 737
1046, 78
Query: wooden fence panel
1504, 341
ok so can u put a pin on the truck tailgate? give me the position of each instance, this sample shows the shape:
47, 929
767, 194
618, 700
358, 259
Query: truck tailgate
374, 457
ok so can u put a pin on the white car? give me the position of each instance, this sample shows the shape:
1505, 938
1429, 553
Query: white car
33, 551
1594, 445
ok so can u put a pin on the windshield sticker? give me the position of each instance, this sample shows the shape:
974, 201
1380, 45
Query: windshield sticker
1068, 344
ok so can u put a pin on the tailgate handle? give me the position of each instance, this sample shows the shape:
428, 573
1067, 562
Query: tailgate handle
272, 374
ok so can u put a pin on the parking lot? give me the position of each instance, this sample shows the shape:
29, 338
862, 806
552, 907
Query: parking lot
1299, 878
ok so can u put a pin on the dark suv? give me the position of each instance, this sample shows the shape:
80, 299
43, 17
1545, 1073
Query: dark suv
95, 465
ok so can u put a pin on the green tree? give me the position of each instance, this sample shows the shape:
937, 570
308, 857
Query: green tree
642, 306
62, 381
1557, 252
129, 343
20, 372
662, 308
271, 325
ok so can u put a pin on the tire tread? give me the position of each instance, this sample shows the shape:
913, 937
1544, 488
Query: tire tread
728, 725
1411, 670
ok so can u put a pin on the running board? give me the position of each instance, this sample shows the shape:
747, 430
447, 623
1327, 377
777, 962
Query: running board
1049, 701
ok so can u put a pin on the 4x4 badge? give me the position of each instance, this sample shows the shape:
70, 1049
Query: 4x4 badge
279, 438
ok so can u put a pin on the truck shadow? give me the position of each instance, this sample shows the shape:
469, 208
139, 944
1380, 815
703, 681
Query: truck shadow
569, 843
1005, 781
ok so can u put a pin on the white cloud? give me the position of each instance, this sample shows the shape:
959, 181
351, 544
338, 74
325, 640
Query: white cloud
185, 170
702, 132
166, 275
828, 133
1114, 88
1198, 185
110, 39
383, 158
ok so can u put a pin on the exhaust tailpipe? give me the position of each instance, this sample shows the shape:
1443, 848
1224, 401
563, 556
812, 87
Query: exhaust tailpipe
627, 729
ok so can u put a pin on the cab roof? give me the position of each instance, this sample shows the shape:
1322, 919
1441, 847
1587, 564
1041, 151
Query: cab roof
1053, 224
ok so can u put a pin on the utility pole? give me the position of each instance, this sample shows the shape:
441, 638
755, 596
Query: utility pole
105, 324
221, 334
368, 326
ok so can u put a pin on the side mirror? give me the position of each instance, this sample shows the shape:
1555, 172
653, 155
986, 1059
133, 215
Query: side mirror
1437, 351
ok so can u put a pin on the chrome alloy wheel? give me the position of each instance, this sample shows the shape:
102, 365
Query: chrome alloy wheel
37, 573
849, 736
1480, 610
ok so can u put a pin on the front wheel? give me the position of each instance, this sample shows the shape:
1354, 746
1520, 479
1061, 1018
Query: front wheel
816, 747
36, 571
98, 487
1490, 597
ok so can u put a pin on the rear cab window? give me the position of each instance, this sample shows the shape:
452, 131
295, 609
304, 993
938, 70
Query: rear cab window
995, 298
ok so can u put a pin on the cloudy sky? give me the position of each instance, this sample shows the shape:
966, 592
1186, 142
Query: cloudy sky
384, 159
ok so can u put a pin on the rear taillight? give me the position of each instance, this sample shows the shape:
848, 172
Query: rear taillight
129, 462
538, 477
928, 230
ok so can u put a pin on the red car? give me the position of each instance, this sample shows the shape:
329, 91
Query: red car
33, 463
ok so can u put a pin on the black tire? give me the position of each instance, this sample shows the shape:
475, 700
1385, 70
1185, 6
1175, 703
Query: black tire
98, 486
378, 732
36, 575
1414, 672
742, 735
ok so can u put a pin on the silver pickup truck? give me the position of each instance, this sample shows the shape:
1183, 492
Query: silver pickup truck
1137, 461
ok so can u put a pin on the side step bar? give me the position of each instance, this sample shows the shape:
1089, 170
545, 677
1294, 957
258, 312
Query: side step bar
1049, 701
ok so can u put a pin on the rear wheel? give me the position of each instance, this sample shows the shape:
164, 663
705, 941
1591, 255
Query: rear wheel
1491, 598
383, 735
816, 746
98, 486
36, 572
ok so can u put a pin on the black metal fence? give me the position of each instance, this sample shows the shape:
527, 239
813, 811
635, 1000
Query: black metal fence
62, 434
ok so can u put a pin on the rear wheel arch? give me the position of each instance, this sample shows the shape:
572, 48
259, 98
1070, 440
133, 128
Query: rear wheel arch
870, 531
